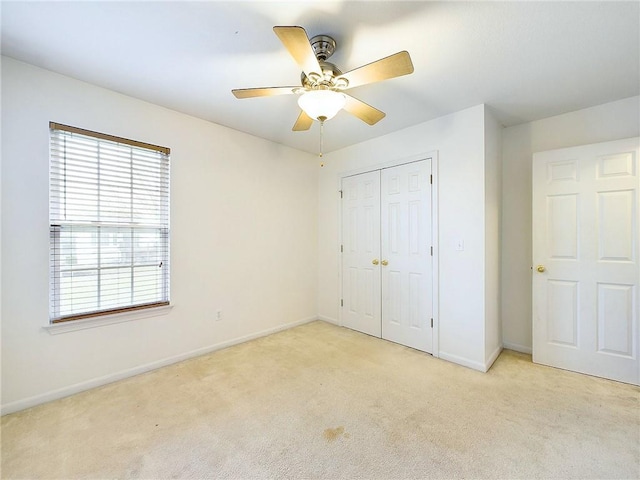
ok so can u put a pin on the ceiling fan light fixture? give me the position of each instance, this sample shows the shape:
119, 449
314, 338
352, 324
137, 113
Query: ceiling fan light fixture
322, 104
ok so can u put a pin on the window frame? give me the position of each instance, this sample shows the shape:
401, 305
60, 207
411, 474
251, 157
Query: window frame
162, 230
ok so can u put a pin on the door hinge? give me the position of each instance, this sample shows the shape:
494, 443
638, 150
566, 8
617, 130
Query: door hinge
341, 248
432, 323
340, 193
431, 179
432, 251
341, 302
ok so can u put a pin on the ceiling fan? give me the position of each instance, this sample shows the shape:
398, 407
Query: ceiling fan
323, 85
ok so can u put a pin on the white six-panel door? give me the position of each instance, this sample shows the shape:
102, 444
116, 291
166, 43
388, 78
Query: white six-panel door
361, 253
406, 255
386, 254
585, 259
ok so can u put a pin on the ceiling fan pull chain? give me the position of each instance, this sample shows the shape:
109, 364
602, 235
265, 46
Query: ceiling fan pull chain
321, 136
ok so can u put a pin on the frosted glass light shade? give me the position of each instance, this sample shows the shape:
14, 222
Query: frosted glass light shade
322, 103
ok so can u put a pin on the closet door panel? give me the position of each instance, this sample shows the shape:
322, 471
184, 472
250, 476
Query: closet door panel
406, 266
361, 309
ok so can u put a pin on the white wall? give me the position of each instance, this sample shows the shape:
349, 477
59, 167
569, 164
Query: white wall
611, 121
459, 140
493, 214
243, 238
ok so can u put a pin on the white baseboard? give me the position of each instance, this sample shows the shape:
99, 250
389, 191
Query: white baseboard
97, 382
517, 348
492, 358
465, 362
328, 320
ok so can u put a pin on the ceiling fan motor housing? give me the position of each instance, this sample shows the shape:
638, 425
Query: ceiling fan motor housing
323, 47
329, 80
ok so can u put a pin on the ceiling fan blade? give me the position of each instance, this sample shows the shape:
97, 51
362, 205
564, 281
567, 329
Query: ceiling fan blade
392, 66
295, 40
364, 112
262, 91
303, 122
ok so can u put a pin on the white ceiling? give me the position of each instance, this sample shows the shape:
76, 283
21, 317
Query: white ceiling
526, 60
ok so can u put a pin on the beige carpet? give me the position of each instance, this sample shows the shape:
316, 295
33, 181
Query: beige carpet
320, 401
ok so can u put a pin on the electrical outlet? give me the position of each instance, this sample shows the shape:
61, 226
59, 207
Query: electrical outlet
218, 315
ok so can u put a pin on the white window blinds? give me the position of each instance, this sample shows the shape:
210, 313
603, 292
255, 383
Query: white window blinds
109, 224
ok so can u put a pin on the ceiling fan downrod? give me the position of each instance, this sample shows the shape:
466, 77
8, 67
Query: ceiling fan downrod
323, 46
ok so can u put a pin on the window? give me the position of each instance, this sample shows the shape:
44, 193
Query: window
109, 224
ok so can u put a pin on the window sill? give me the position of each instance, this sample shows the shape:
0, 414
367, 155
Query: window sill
75, 325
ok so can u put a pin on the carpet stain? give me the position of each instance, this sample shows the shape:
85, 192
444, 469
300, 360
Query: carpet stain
332, 434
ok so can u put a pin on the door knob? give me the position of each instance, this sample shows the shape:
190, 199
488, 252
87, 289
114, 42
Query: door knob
385, 263
540, 268
375, 261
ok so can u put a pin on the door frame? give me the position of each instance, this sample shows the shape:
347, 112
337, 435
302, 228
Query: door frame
433, 156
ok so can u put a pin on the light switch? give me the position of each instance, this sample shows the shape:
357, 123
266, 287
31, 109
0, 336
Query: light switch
460, 245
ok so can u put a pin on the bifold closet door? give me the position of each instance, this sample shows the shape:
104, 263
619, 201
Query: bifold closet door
361, 307
386, 254
406, 265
